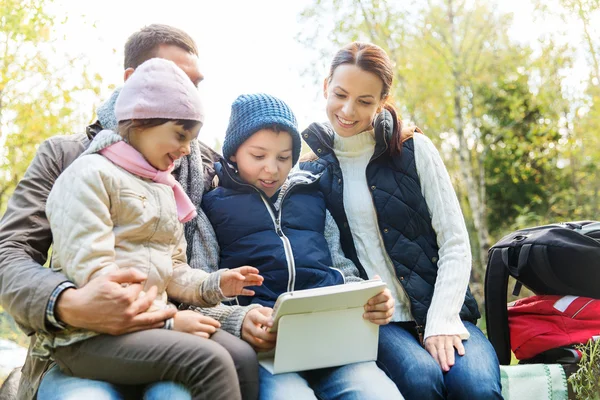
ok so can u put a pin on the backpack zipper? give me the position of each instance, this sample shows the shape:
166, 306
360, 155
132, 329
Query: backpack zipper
581, 309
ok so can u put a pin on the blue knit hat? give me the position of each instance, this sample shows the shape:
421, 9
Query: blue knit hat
252, 112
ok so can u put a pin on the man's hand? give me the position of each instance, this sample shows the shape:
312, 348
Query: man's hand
234, 281
104, 305
254, 329
441, 348
195, 323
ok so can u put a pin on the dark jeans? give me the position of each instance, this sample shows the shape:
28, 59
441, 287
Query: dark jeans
209, 368
476, 375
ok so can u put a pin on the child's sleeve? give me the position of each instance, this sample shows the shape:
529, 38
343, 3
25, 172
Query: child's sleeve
230, 317
78, 209
193, 286
340, 262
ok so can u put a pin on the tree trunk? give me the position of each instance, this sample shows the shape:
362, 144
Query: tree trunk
474, 189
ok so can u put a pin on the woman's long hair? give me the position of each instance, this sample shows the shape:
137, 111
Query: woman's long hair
373, 59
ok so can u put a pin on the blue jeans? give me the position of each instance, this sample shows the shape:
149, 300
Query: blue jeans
476, 375
58, 386
360, 381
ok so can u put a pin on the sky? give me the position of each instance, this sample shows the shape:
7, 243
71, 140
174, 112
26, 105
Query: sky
245, 46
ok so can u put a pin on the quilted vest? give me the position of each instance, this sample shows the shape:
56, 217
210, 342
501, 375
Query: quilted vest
287, 245
402, 212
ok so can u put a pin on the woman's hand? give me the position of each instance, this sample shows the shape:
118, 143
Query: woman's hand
380, 308
234, 281
441, 348
195, 323
255, 329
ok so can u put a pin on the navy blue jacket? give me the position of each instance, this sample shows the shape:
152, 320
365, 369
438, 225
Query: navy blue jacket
402, 212
288, 245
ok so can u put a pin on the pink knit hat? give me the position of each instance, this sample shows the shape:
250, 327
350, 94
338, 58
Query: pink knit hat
158, 88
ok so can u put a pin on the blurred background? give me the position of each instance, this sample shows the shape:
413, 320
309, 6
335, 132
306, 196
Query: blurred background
509, 91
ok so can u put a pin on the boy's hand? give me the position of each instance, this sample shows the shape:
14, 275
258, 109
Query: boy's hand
195, 323
255, 329
380, 308
234, 281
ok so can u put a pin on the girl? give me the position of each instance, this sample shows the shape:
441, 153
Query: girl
390, 194
117, 207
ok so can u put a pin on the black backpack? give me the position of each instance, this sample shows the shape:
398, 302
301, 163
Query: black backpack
558, 259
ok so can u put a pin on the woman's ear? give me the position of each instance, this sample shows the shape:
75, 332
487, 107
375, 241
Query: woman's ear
325, 84
233, 159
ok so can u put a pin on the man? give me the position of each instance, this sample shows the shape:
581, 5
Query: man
40, 299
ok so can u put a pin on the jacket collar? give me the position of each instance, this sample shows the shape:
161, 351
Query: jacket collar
319, 136
229, 178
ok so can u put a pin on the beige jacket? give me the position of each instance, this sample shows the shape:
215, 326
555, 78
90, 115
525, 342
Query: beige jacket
104, 218
25, 238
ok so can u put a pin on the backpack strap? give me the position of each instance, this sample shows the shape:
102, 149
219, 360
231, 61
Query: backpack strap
496, 314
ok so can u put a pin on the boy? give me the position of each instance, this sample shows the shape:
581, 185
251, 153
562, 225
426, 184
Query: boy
276, 221
263, 215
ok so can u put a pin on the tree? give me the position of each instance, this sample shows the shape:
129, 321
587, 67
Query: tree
41, 92
581, 199
454, 63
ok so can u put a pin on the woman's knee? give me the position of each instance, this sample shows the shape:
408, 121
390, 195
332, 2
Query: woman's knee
475, 390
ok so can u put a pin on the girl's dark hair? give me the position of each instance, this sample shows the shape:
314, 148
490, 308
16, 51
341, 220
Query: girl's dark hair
126, 126
373, 59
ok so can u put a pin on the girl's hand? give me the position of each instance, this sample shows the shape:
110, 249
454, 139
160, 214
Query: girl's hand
234, 281
195, 323
380, 308
441, 348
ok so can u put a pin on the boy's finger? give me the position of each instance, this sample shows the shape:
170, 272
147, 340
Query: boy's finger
247, 292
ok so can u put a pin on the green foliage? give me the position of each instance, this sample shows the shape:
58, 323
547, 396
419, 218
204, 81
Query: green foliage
495, 108
10, 331
586, 381
41, 90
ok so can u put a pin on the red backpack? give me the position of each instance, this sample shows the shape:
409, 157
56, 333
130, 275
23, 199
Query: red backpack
540, 323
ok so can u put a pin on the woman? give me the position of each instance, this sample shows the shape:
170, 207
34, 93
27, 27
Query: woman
390, 194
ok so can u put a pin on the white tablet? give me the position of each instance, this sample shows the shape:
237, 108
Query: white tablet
339, 297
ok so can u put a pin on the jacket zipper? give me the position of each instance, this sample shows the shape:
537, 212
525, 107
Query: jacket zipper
419, 328
289, 255
581, 309
140, 197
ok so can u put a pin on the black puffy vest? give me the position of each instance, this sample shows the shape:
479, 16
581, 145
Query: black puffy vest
402, 212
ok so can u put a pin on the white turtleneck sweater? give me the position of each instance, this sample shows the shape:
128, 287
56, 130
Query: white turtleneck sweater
454, 264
